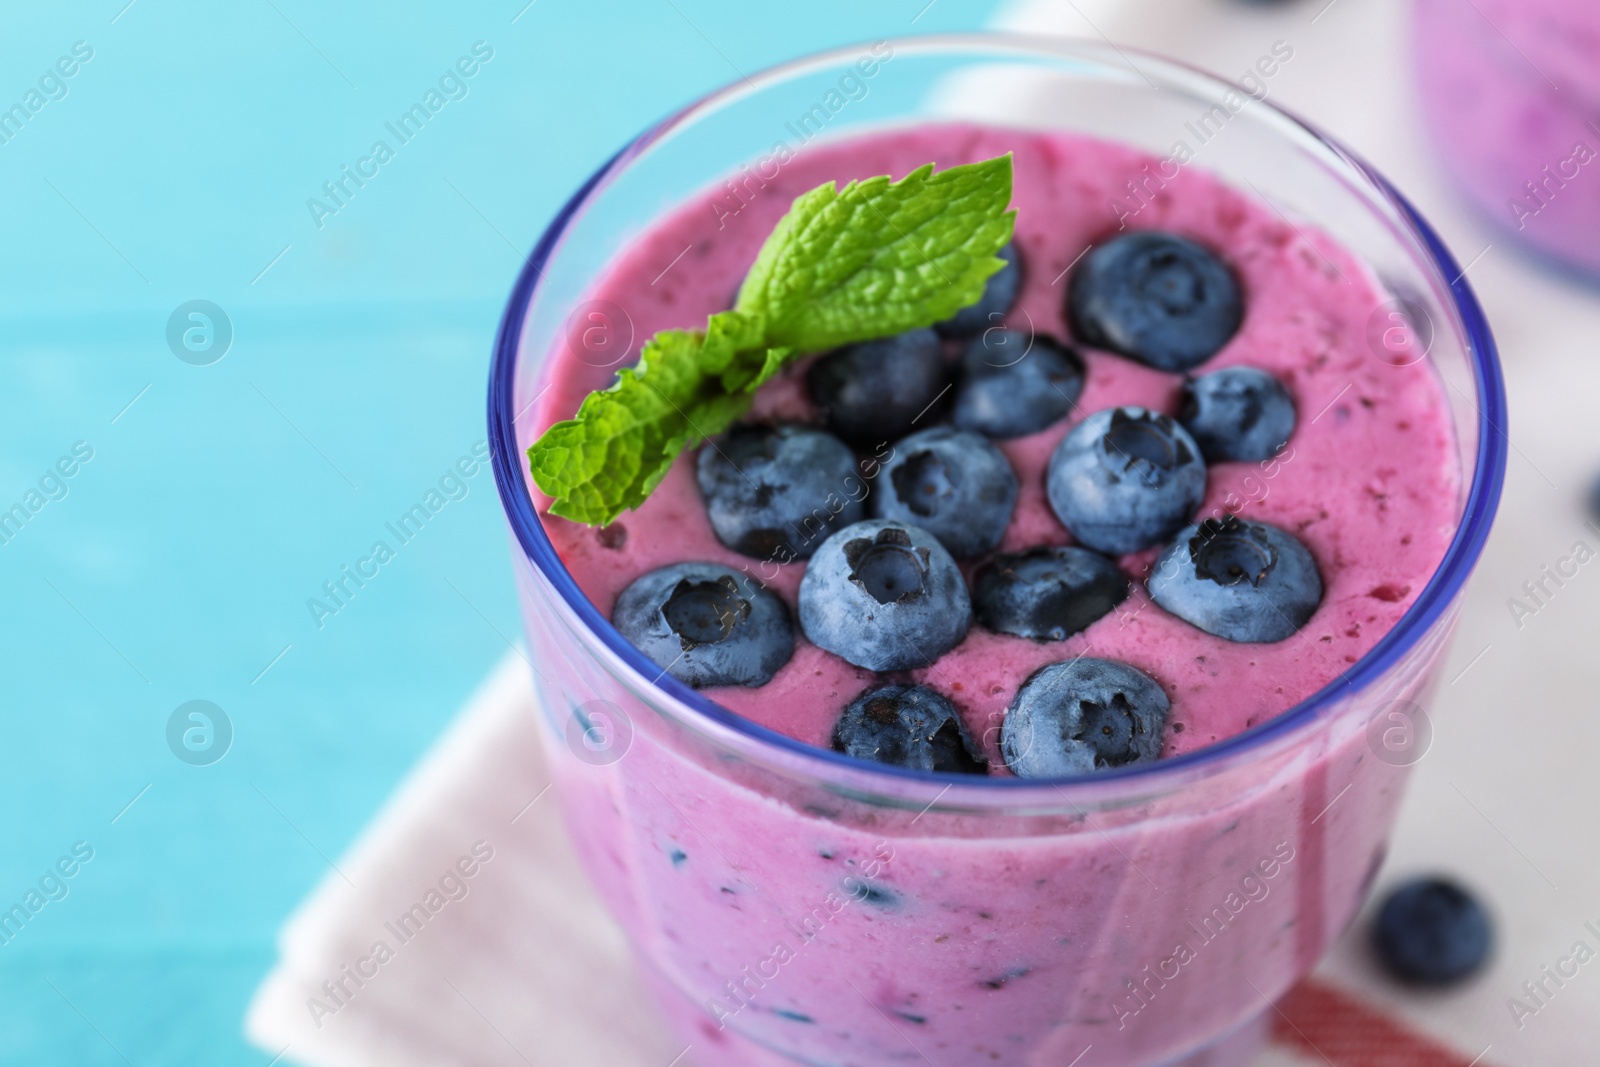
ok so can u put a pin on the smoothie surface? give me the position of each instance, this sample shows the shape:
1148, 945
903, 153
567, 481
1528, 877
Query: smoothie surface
1370, 480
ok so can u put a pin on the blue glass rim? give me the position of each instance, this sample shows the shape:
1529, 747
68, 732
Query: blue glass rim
1435, 600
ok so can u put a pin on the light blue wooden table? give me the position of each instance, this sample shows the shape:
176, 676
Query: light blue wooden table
165, 514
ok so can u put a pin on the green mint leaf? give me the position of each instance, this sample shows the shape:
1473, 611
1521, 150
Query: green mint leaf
879, 257
876, 258
623, 440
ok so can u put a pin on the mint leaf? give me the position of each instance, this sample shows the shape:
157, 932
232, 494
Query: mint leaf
880, 257
874, 259
623, 440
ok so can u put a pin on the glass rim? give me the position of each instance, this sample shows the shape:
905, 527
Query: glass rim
1435, 600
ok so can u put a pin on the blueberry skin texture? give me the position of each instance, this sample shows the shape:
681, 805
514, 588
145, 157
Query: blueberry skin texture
1432, 932
1237, 413
778, 492
953, 484
1124, 479
706, 625
1154, 297
1046, 593
999, 294
884, 595
907, 726
1244, 581
1013, 384
1083, 716
870, 393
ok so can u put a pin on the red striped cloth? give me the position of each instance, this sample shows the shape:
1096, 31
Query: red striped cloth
1327, 1024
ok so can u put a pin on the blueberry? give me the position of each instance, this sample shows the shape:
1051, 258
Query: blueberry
1154, 297
1045, 593
875, 391
885, 596
1005, 978
1245, 581
1083, 716
1431, 931
907, 726
706, 625
878, 896
954, 484
1238, 413
1013, 383
999, 293
1124, 479
778, 492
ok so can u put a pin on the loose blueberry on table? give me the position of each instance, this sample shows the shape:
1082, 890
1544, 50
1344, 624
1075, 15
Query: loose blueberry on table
1432, 932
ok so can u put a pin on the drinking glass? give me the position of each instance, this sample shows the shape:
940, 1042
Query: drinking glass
790, 905
1510, 91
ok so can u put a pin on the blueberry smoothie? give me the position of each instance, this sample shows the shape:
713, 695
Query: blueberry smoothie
1153, 489
1512, 94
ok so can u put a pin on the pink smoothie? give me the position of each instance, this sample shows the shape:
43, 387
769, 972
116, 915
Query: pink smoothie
1142, 932
1368, 482
1511, 91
